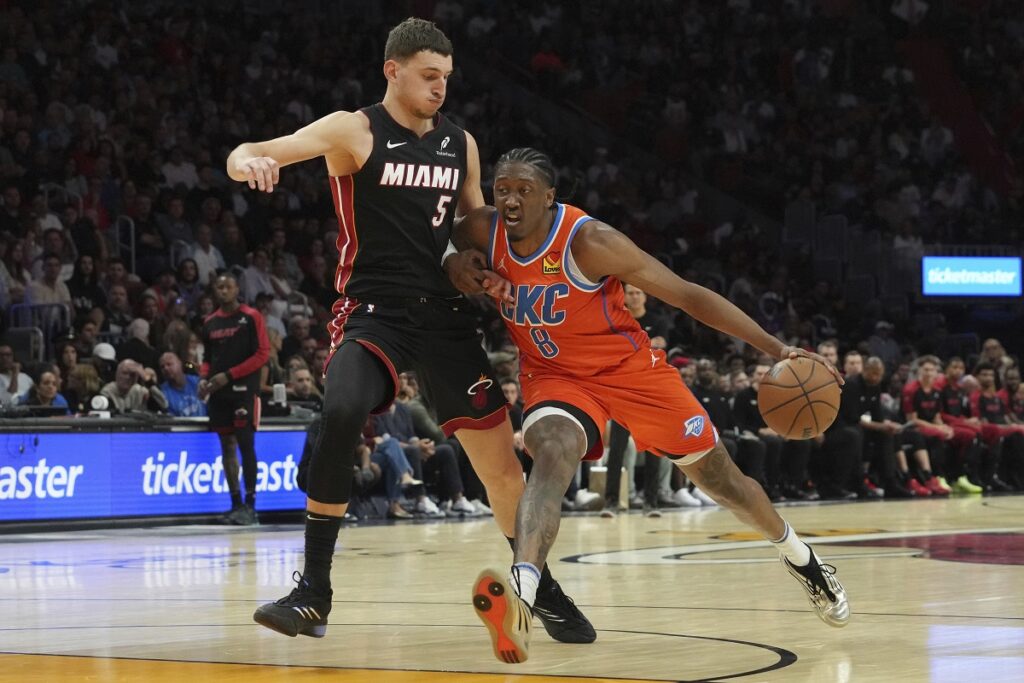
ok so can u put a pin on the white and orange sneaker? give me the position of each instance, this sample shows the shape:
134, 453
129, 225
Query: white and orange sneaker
506, 616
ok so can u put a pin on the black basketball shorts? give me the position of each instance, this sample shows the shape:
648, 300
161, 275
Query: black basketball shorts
438, 340
233, 407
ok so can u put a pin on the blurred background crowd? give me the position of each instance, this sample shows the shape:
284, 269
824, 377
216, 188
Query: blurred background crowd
797, 156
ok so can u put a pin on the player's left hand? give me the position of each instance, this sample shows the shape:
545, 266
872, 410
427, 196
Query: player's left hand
794, 352
468, 271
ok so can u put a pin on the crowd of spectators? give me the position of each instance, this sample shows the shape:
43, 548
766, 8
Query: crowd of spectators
115, 204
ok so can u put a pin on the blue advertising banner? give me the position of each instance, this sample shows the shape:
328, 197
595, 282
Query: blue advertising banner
122, 474
971, 276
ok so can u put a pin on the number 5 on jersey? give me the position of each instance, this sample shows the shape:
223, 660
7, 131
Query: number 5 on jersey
545, 345
442, 210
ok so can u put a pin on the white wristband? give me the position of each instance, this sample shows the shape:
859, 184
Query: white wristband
448, 252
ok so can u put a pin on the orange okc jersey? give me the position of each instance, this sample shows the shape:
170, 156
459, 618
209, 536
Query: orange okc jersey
561, 321
580, 346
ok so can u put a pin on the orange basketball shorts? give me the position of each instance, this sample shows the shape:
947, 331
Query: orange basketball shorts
645, 395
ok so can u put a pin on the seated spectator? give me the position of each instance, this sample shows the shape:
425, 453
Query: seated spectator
318, 285
181, 390
265, 305
45, 392
134, 389
118, 311
54, 242
85, 338
301, 387
84, 286
1012, 393
104, 359
16, 278
67, 357
81, 384
137, 347
853, 363
187, 283
425, 456
272, 373
116, 273
164, 290
1000, 429
208, 258
49, 289
174, 227
256, 278
149, 311
298, 330
396, 473
13, 382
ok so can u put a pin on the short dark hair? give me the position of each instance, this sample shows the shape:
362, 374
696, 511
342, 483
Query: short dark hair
536, 158
416, 35
981, 367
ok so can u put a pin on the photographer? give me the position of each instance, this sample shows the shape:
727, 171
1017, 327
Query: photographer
134, 389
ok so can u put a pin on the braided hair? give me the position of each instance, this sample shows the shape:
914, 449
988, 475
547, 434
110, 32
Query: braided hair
528, 155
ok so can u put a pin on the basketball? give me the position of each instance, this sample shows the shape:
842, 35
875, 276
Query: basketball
798, 398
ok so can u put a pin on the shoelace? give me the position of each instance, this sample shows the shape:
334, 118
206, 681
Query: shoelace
827, 571
300, 586
561, 599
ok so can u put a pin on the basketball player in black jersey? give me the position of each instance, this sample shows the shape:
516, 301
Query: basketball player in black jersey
399, 172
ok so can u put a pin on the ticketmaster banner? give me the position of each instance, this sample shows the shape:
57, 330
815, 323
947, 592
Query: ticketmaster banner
971, 276
123, 474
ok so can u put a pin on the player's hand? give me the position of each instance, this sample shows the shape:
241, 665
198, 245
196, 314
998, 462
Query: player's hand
260, 172
204, 390
468, 271
794, 352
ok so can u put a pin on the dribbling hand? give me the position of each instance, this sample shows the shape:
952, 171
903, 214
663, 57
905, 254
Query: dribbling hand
794, 352
261, 173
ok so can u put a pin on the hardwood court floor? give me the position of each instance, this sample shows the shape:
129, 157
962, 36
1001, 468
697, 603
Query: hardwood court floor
936, 587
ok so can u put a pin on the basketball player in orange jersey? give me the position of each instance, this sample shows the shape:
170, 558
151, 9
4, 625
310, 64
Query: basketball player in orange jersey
398, 171
584, 359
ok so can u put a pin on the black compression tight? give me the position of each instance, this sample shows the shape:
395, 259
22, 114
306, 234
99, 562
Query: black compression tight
357, 382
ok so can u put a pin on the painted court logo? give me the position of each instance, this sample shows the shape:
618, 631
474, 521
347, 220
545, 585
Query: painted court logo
551, 263
694, 426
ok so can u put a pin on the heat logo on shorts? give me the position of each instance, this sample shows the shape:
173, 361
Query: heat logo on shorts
551, 263
694, 426
479, 400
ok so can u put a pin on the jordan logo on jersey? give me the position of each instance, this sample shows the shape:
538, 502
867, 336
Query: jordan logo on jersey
536, 305
420, 175
552, 265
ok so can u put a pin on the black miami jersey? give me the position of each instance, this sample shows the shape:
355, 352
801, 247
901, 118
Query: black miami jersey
395, 214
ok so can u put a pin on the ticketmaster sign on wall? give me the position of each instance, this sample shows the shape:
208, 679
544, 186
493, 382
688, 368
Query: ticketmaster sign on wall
971, 276
126, 474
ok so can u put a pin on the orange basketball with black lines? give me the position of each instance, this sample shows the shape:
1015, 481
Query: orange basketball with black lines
799, 398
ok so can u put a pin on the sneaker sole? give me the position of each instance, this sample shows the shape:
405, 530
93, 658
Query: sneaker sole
286, 627
491, 595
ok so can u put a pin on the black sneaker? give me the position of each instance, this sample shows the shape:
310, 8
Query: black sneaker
562, 619
237, 515
302, 612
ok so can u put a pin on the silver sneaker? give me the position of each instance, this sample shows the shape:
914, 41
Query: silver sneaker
826, 595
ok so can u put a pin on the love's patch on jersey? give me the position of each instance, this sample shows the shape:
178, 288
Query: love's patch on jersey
552, 263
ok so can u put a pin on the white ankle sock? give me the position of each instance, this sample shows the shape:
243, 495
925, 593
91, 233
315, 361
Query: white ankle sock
795, 550
525, 579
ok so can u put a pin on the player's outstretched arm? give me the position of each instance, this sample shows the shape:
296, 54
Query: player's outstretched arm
259, 163
600, 250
